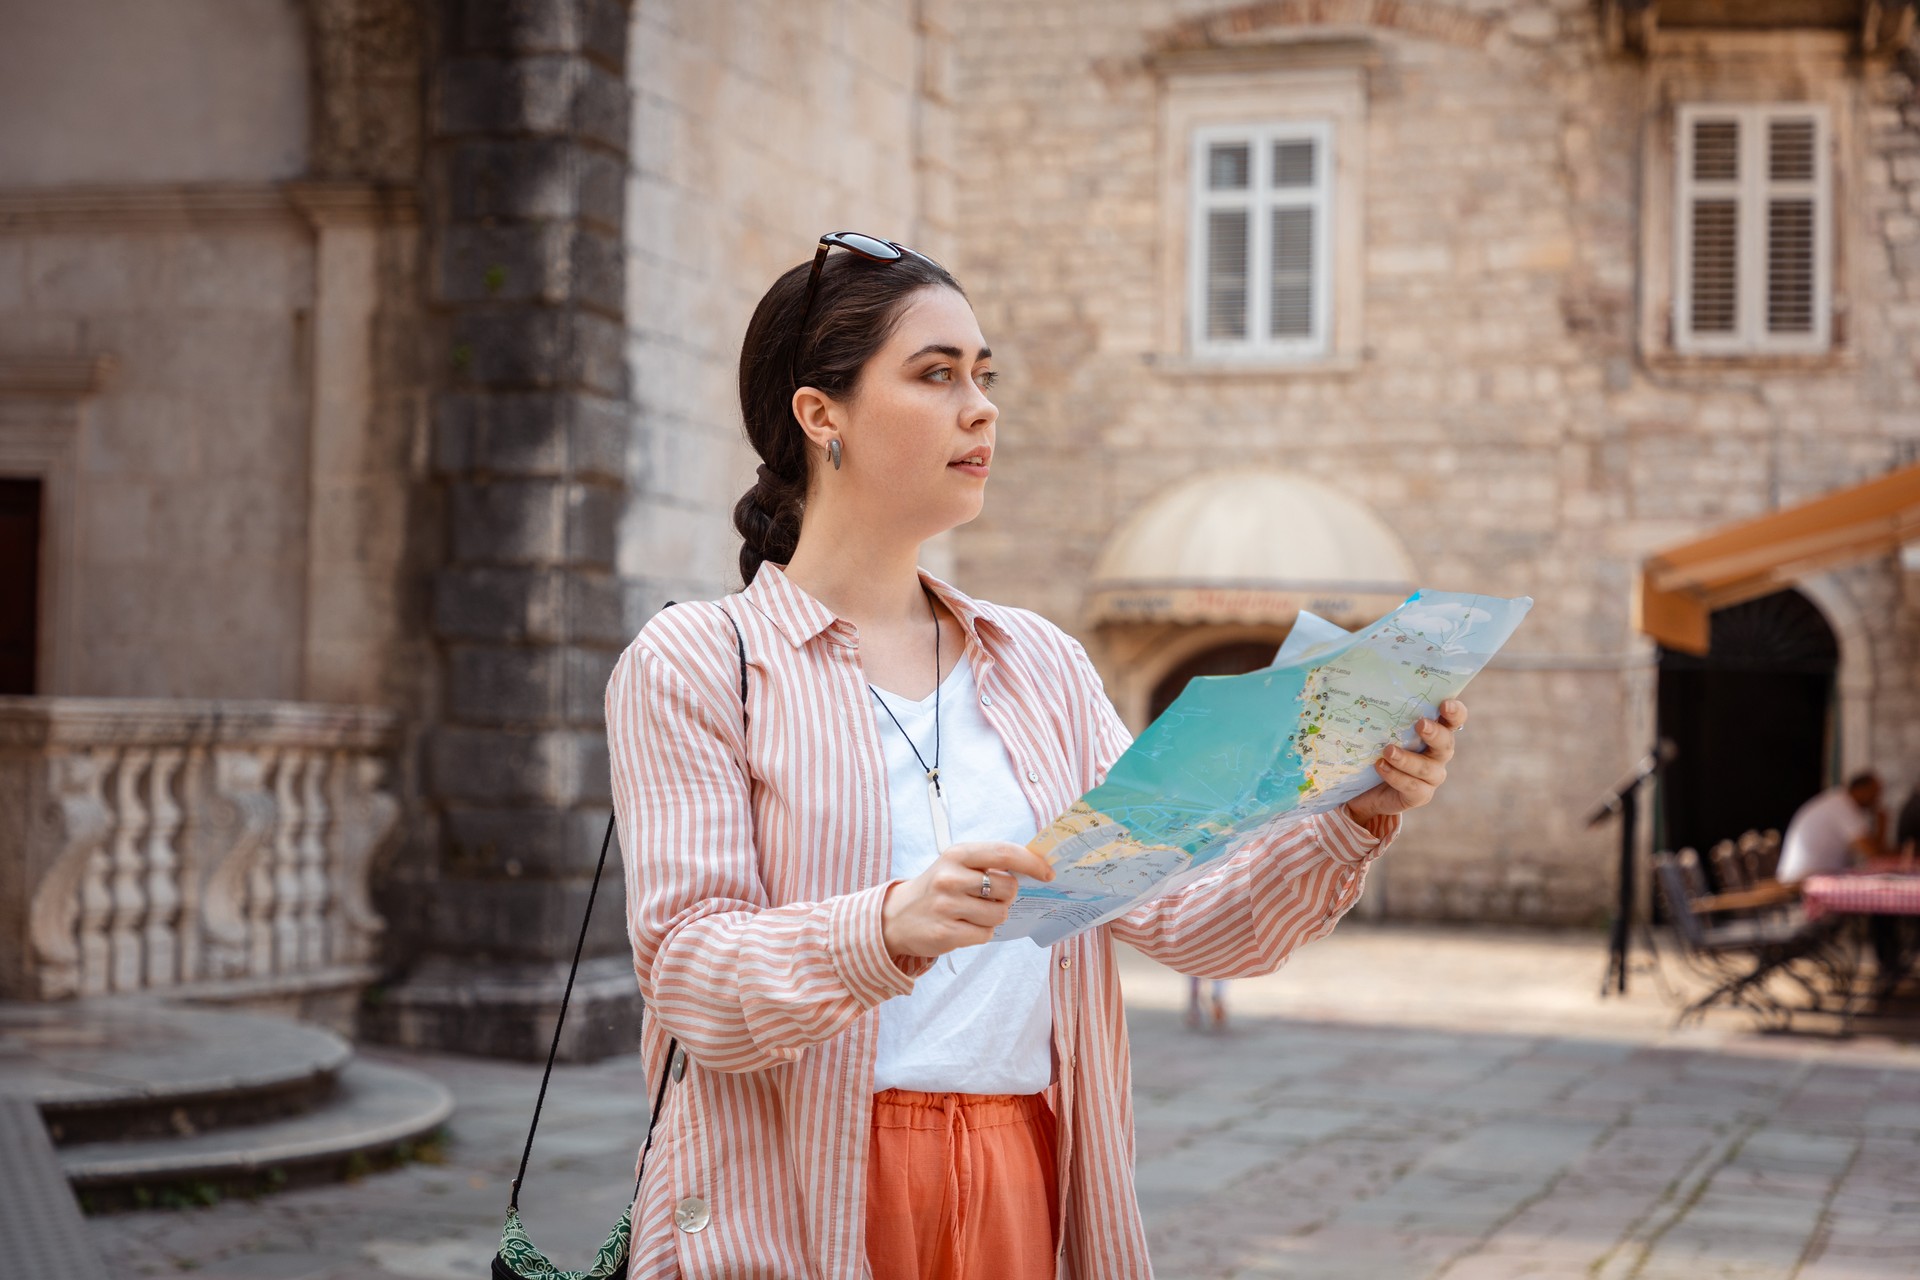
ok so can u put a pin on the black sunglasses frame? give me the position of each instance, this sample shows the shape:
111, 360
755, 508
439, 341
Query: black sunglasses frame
872, 248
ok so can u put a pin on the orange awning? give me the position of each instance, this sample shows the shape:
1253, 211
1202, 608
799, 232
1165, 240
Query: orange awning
1680, 587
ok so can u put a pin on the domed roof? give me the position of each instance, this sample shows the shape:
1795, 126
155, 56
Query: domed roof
1252, 545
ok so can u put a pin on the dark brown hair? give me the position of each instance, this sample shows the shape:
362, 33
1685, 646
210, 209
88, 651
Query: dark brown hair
855, 309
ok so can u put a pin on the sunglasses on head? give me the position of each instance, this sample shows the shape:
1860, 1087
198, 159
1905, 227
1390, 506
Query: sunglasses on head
872, 248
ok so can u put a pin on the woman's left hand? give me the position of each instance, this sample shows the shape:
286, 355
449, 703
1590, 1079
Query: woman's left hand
1408, 778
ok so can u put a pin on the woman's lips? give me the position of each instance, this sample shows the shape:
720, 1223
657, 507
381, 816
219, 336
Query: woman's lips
971, 468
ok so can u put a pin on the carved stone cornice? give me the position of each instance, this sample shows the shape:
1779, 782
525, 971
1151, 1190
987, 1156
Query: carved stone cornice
171, 207
68, 376
354, 203
1287, 51
1880, 28
1273, 20
134, 722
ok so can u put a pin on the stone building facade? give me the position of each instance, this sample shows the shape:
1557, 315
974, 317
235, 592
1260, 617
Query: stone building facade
371, 363
1500, 384
365, 383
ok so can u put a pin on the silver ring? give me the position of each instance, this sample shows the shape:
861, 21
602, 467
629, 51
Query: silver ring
986, 885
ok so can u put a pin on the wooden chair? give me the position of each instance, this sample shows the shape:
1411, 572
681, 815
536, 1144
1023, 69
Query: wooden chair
1766, 855
1732, 871
1738, 956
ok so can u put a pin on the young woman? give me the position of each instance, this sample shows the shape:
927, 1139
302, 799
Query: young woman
861, 1086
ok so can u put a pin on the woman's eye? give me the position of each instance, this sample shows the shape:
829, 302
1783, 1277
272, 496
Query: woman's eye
942, 374
988, 379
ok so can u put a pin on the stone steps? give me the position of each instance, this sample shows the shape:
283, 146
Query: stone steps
141, 1068
377, 1112
164, 1102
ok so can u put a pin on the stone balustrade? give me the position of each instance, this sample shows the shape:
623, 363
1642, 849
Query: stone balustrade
206, 847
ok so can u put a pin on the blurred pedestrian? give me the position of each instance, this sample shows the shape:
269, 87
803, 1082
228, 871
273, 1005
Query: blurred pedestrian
1216, 1000
1833, 830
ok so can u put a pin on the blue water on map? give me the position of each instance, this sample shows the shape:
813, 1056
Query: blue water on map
1216, 763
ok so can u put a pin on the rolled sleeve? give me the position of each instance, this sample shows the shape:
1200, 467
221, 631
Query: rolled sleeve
1349, 842
857, 942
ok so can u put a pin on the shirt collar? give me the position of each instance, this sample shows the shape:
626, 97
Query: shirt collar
799, 617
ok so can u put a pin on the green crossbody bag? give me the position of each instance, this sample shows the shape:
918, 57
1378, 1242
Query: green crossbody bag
518, 1258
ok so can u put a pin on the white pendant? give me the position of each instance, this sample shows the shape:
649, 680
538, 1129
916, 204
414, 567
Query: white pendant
937, 806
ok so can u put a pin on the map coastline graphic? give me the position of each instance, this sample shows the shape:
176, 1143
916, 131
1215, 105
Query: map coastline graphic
1235, 756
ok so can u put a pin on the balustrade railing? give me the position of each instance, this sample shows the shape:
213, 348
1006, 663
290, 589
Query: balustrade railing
148, 845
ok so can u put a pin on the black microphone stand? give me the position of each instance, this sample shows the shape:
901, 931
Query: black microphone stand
1624, 799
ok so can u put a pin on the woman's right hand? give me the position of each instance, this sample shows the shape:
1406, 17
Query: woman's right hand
942, 908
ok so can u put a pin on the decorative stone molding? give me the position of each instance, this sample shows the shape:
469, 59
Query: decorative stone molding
164, 207
1880, 28
1261, 23
72, 376
155, 845
360, 204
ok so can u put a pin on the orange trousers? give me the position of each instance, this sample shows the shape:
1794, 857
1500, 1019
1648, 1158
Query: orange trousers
960, 1186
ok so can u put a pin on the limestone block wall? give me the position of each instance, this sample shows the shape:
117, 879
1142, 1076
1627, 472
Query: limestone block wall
230, 487
1507, 415
757, 126
186, 572
181, 566
124, 91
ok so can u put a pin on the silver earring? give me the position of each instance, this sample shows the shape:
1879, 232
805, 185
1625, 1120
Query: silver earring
833, 453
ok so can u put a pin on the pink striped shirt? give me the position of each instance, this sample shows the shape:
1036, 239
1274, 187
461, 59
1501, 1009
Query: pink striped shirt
757, 857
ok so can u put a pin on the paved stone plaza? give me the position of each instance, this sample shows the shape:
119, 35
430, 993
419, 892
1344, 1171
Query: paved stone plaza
1398, 1102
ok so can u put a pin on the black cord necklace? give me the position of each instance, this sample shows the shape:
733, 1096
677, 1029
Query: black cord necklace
936, 800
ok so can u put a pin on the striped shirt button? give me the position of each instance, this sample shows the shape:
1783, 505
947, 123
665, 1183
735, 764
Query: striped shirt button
691, 1215
986, 699
1033, 775
1066, 962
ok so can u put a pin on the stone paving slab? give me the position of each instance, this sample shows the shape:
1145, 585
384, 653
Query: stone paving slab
41, 1231
1396, 1103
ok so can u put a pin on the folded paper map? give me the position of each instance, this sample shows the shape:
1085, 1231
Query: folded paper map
1234, 756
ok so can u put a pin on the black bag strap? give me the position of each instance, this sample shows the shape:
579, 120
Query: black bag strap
673, 1043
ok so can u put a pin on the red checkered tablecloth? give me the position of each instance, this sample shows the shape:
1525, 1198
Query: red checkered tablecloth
1885, 893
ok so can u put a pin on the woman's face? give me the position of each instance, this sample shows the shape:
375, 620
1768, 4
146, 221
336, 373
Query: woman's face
918, 430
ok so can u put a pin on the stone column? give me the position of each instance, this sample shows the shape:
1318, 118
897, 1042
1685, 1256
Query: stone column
527, 144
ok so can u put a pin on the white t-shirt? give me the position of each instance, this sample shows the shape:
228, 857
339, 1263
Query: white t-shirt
981, 1019
1819, 839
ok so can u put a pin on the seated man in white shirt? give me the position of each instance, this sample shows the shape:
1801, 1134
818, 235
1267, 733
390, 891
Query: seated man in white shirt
1831, 829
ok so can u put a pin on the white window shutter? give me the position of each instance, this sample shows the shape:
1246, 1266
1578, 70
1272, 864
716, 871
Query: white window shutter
1228, 261
1260, 262
1290, 309
1793, 226
1715, 226
1715, 288
1753, 239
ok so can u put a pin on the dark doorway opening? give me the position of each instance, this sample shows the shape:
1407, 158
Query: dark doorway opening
1752, 721
20, 502
1233, 659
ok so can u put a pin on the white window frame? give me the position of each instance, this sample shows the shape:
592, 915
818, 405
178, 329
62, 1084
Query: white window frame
1752, 191
1260, 200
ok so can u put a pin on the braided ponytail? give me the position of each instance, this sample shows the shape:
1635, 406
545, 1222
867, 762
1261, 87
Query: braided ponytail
768, 518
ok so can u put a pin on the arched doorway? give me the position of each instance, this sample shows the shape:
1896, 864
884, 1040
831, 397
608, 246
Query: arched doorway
1205, 578
1221, 660
1752, 721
